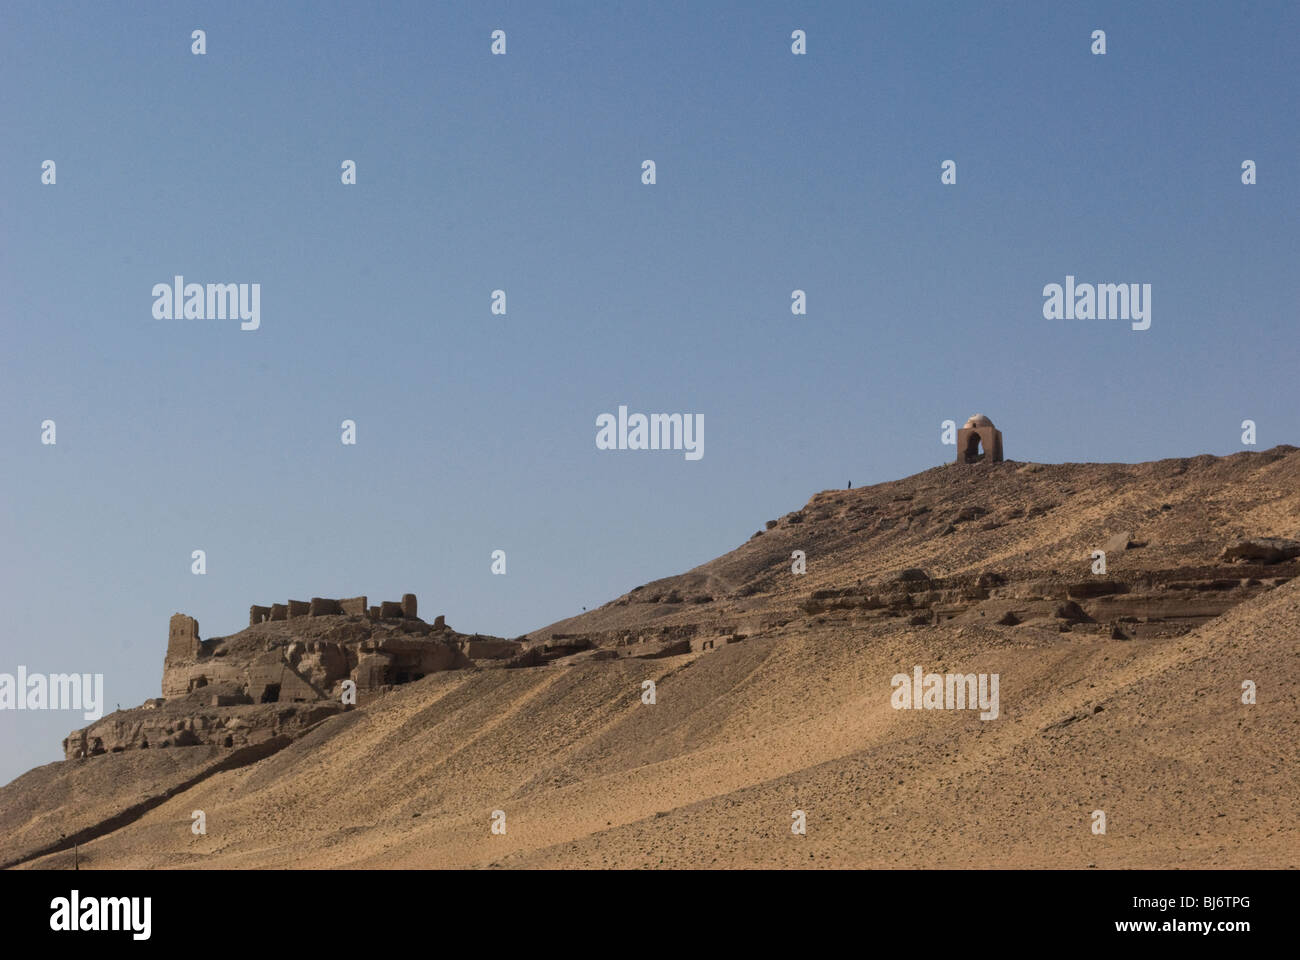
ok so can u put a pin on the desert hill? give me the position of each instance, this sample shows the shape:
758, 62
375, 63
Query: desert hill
1120, 692
1036, 524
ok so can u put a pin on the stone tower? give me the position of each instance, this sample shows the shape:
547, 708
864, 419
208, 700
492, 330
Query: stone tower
182, 638
978, 433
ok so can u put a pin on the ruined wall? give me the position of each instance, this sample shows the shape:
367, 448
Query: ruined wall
403, 658
275, 678
490, 648
407, 608
306, 668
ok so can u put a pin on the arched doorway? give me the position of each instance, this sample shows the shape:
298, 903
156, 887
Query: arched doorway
979, 441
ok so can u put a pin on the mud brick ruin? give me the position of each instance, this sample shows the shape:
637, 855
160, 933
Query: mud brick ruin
257, 690
375, 647
287, 672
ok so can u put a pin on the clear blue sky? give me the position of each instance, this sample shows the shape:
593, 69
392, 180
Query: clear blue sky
475, 172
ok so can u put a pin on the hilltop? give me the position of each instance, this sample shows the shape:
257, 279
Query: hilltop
1009, 529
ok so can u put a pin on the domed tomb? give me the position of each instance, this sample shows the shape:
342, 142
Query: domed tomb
979, 440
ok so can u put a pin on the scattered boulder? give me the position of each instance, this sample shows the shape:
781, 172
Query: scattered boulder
1047, 623
911, 575
1262, 550
1008, 619
1070, 611
1118, 543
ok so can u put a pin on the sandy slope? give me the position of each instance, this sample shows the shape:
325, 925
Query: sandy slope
708, 776
798, 717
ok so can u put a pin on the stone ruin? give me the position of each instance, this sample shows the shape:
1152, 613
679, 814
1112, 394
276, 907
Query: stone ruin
258, 690
288, 671
978, 432
311, 663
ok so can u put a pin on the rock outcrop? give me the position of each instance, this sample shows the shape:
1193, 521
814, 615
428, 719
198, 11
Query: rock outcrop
1263, 550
